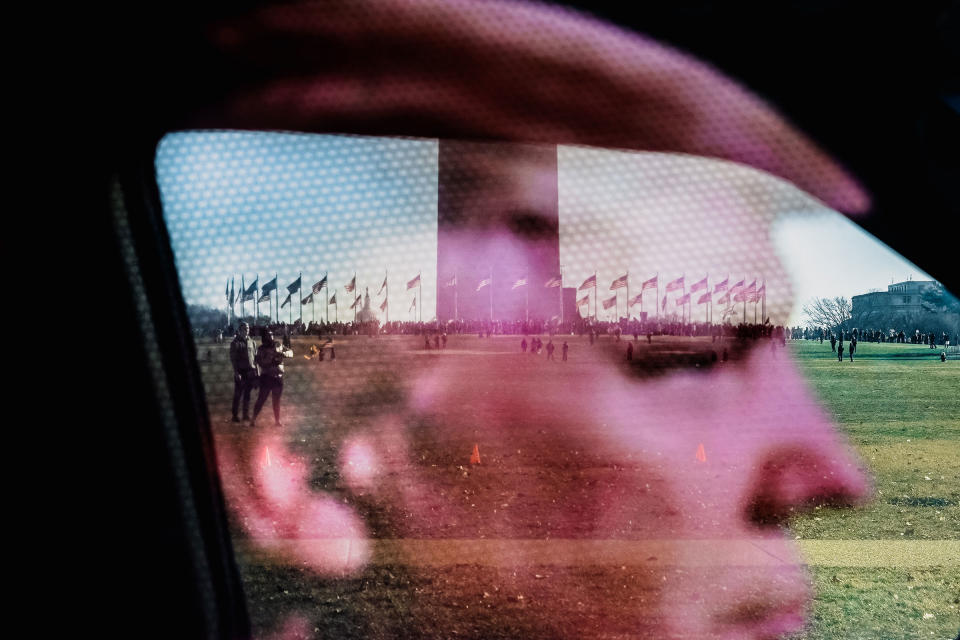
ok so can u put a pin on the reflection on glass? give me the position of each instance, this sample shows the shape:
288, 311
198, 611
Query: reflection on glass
510, 390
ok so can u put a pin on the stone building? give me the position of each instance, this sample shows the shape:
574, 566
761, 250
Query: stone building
900, 299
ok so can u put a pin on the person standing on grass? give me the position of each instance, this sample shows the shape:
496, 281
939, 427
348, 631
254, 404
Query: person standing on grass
243, 354
523, 345
270, 357
833, 342
566, 348
852, 348
550, 348
840, 352
629, 352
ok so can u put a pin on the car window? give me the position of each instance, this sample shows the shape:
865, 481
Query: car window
463, 388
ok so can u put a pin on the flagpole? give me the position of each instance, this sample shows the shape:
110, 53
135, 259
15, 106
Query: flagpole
491, 294
300, 295
420, 292
561, 295
386, 294
763, 312
527, 292
595, 310
628, 295
683, 292
656, 301
326, 285
256, 302
353, 297
456, 285
744, 302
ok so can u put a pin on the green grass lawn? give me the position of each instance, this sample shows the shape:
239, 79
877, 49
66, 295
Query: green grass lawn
900, 408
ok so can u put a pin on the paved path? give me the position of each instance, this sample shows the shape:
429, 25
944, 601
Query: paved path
507, 553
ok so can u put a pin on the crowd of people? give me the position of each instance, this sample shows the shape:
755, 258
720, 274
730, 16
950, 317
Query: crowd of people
873, 335
487, 328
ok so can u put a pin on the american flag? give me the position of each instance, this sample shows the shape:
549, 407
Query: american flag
356, 302
286, 301
696, 286
413, 305
383, 307
555, 281
684, 299
307, 300
270, 286
589, 282
649, 284
635, 299
737, 286
320, 285
725, 299
619, 283
610, 302
704, 298
676, 284
350, 286
413, 283
265, 297
584, 300
721, 286
483, 283
333, 299
383, 286
522, 282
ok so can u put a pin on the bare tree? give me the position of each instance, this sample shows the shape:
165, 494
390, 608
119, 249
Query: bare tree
830, 313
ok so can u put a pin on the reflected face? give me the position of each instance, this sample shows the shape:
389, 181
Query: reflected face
643, 497
696, 468
615, 503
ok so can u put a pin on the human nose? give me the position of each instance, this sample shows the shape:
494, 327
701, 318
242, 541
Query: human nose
804, 461
794, 478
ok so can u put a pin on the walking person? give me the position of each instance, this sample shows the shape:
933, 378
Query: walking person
550, 349
243, 354
566, 348
852, 348
270, 357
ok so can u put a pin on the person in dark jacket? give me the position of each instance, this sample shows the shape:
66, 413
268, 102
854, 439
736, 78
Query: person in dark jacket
243, 353
270, 357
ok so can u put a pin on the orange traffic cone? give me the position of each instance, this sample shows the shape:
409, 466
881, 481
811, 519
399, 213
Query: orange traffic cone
701, 454
475, 456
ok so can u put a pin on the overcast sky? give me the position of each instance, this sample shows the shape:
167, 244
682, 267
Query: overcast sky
827, 256
248, 204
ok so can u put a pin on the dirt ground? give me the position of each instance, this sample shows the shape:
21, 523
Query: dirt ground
508, 495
